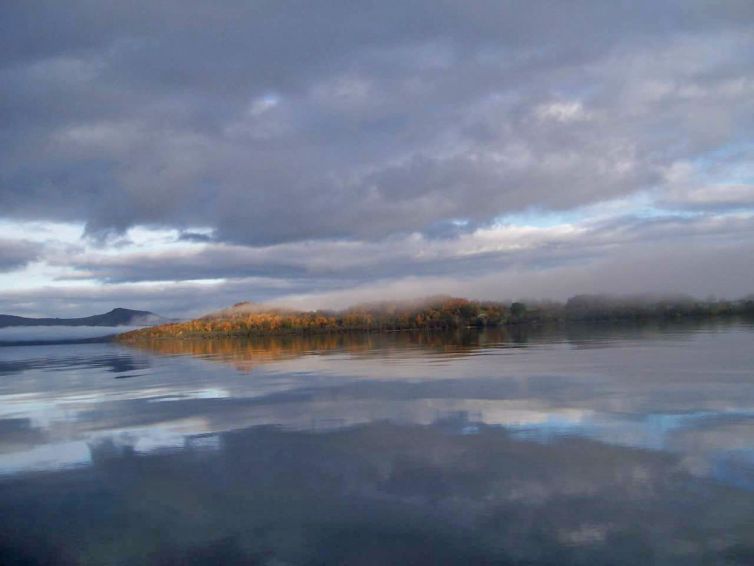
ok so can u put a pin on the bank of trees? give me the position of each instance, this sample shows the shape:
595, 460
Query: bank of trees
603, 307
438, 313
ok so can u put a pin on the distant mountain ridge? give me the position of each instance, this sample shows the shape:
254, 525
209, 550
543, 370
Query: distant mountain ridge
116, 317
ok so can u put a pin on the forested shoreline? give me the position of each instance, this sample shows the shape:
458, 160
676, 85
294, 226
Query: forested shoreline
438, 313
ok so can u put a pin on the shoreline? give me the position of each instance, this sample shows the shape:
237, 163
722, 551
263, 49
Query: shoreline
147, 334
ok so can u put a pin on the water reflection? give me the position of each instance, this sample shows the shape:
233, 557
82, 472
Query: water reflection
375, 494
112, 363
245, 354
548, 444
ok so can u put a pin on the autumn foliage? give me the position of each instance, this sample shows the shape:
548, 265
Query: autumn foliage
440, 313
437, 313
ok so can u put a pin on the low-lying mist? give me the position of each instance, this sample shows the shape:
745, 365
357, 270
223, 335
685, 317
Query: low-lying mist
59, 333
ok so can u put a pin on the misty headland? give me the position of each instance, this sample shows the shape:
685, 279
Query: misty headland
438, 314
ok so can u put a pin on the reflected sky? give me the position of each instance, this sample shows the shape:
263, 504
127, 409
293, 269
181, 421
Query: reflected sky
655, 387
675, 399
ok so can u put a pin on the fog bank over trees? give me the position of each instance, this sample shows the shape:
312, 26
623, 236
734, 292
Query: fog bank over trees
442, 313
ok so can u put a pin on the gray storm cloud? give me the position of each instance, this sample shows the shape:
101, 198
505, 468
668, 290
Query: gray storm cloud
477, 253
17, 253
333, 143
289, 121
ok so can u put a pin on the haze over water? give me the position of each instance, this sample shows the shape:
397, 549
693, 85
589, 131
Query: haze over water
607, 443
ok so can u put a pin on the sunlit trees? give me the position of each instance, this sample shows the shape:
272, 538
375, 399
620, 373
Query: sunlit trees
438, 313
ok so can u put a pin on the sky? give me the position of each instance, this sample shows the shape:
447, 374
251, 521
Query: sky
181, 156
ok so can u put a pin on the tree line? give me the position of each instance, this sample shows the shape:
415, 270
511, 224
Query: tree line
440, 313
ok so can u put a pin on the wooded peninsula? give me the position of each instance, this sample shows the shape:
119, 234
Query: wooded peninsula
437, 313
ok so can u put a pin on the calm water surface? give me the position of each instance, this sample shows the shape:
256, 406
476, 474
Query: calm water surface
584, 445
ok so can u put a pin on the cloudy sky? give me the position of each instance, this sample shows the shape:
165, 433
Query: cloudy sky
180, 156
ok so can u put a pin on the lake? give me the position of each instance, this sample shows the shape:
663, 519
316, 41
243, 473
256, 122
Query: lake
589, 444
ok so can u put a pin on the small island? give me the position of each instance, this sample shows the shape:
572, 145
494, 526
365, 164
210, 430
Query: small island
437, 313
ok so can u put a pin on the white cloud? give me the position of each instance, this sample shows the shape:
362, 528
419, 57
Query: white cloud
571, 111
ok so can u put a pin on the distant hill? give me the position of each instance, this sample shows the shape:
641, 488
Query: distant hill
116, 317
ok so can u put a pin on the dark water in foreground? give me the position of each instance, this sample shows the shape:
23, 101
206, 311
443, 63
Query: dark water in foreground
590, 445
